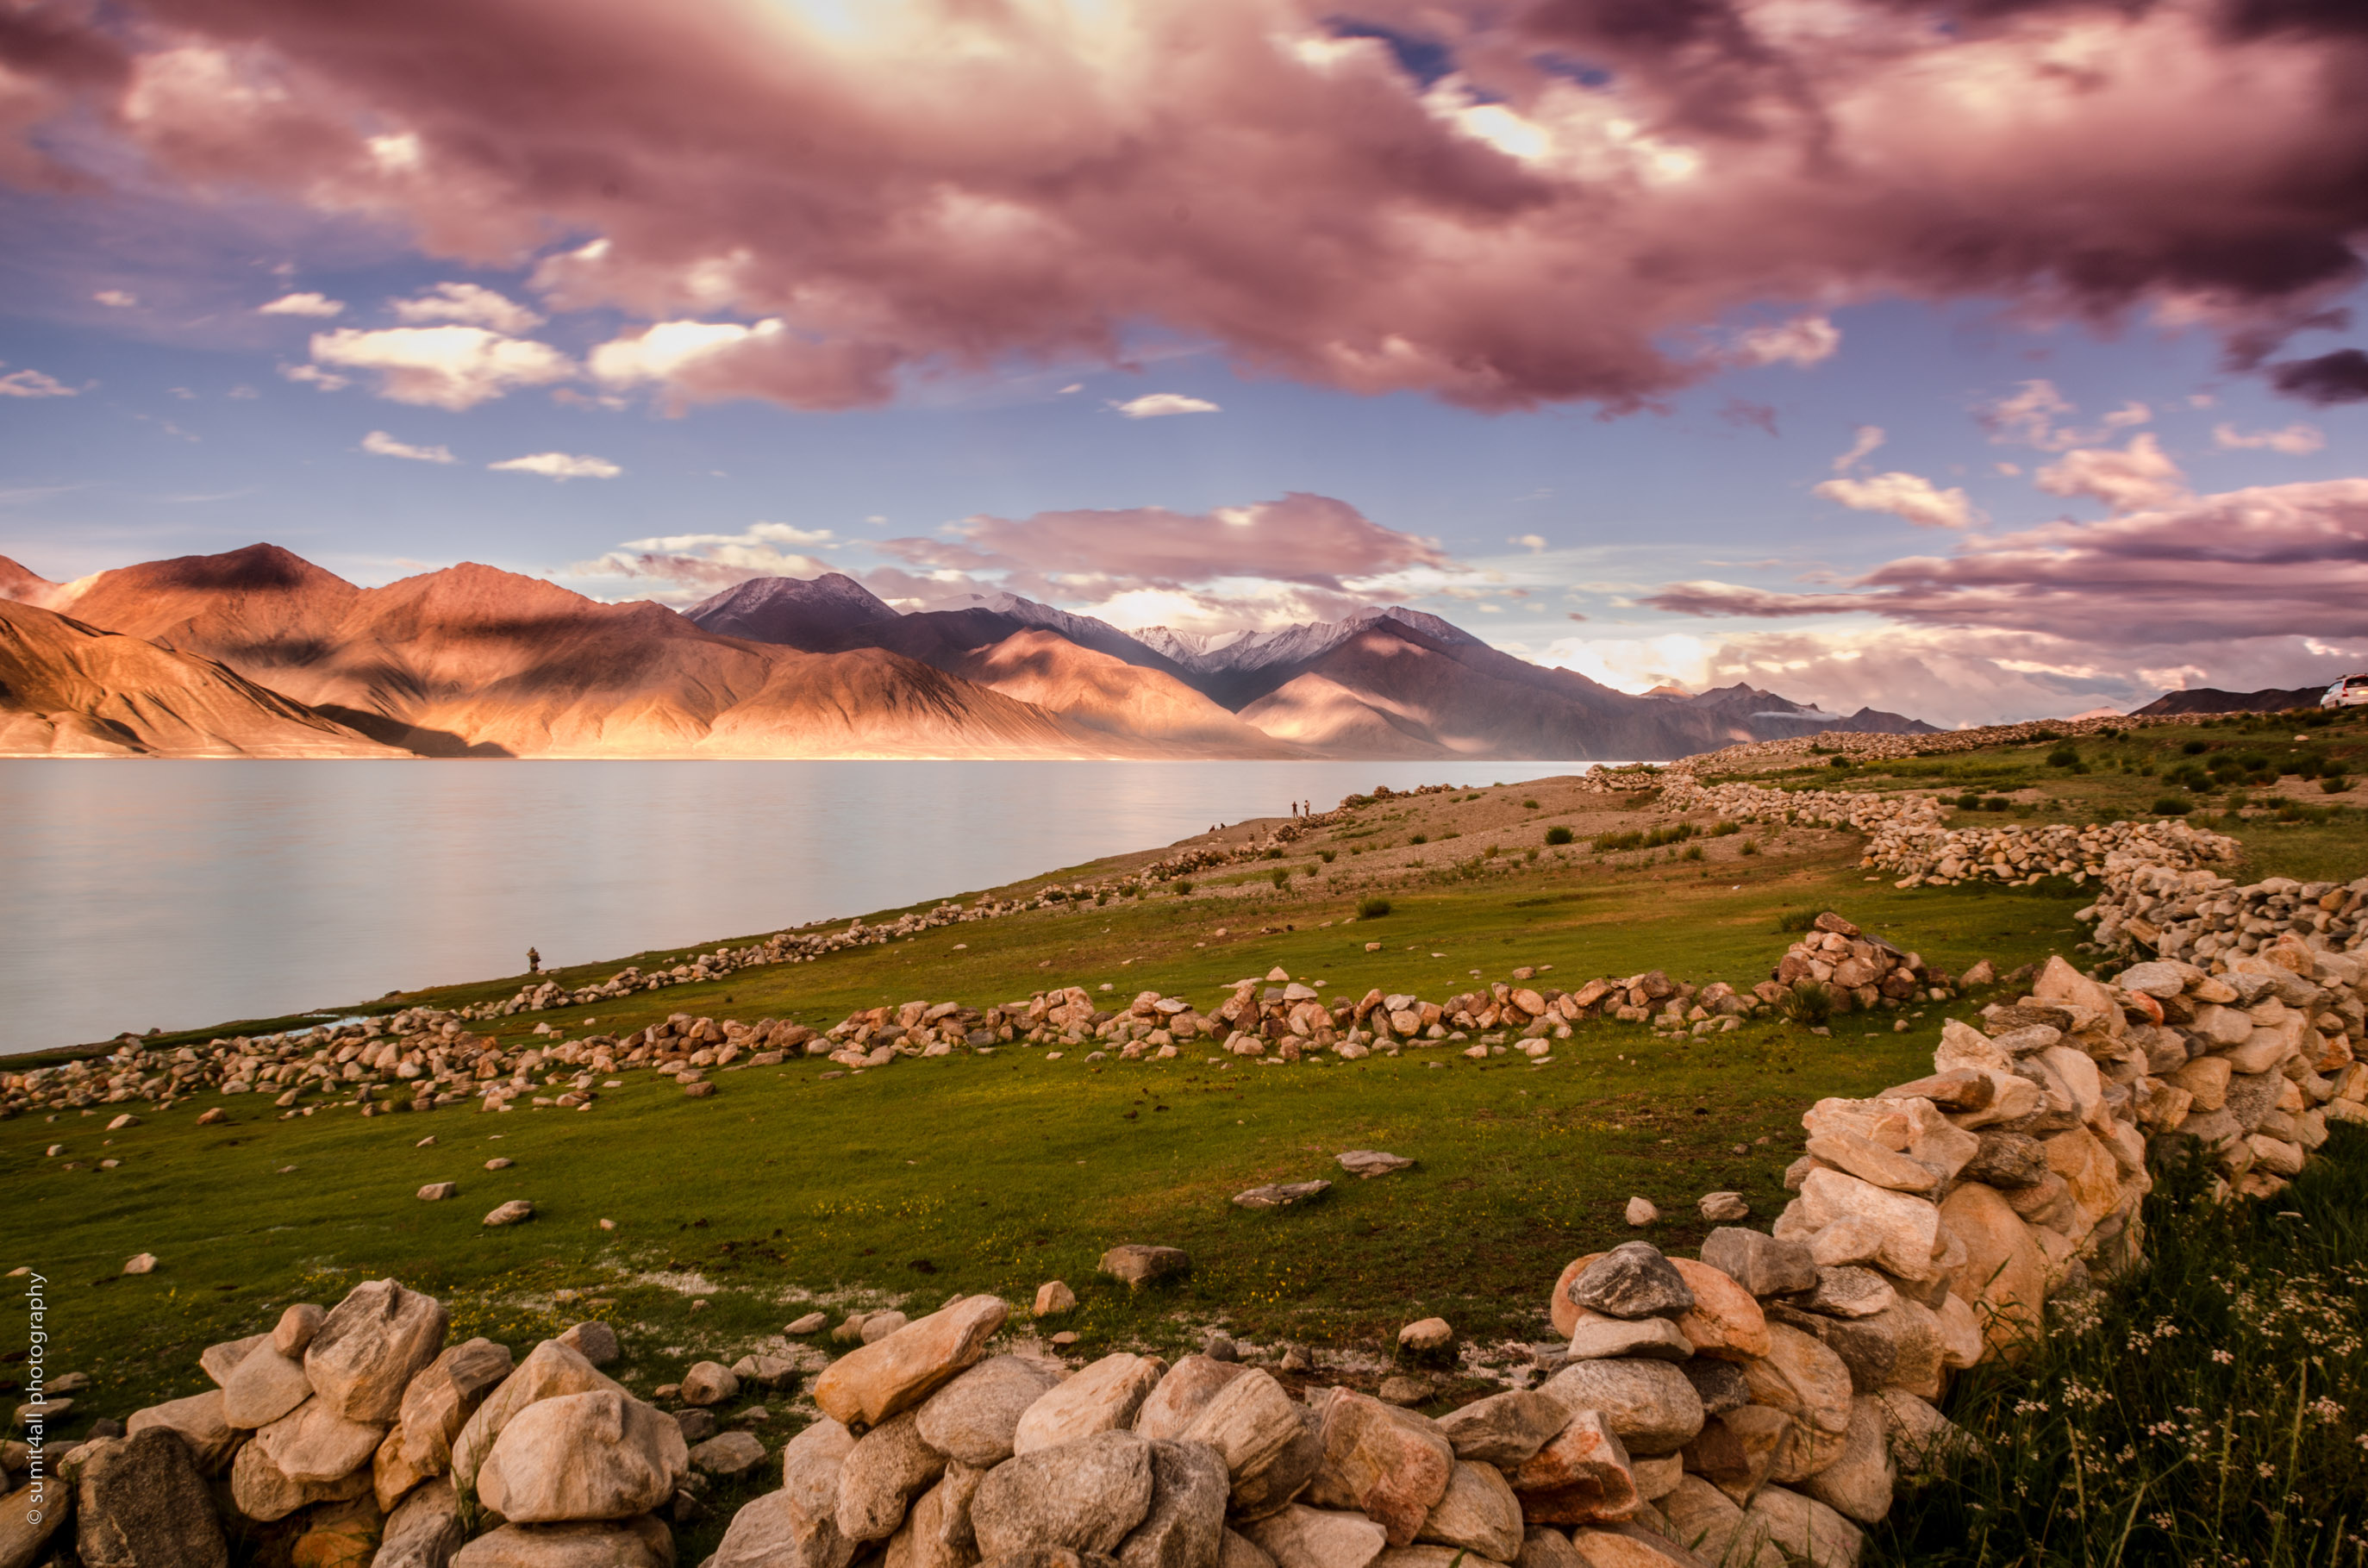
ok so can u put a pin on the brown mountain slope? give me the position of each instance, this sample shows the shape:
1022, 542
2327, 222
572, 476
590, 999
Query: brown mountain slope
1468, 700
475, 659
1106, 693
22, 586
69, 689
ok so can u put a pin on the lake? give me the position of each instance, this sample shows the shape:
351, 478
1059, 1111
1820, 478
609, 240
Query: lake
181, 894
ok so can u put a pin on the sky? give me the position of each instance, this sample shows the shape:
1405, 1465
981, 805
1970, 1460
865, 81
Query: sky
1977, 359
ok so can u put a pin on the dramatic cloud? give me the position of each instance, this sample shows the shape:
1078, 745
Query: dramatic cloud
1159, 406
2135, 476
2282, 561
2340, 376
467, 303
1309, 540
443, 366
33, 383
1908, 495
2295, 441
559, 465
302, 305
386, 446
1506, 204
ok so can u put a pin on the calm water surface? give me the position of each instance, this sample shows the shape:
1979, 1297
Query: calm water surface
181, 894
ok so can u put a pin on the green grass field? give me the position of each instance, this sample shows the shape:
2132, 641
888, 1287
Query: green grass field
992, 1174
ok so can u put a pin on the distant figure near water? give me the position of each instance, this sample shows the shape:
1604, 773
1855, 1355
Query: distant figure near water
533, 961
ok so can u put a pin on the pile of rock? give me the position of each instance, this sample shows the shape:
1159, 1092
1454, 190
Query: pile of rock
1905, 834
1872, 972
359, 1429
1793, 750
2166, 912
1746, 1409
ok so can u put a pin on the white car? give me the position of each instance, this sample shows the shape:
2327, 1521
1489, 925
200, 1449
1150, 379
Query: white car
2352, 691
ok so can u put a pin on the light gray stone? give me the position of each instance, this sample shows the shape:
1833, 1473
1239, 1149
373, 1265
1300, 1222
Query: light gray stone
1760, 1263
371, 1345
709, 1382
631, 1543
1479, 1512
425, 1529
887, 1468
1503, 1429
1650, 1405
593, 1340
1301, 1537
1102, 1398
264, 1386
1084, 1495
199, 1421
1860, 1483
1188, 1386
974, 1417
601, 1455
937, 1533
296, 1328
730, 1454
1186, 1524
549, 1371
1597, 1338
314, 1442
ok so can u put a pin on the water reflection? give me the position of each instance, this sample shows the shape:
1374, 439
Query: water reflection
182, 893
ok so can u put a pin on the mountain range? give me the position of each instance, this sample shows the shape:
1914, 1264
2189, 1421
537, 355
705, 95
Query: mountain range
260, 653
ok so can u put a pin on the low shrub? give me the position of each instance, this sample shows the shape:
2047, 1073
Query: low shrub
1996, 803
1971, 800
1420, 838
2063, 756
1373, 909
1327, 856
1808, 1004
1690, 852
1558, 835
1532, 805
1283, 876
1750, 846
1185, 886
1795, 920
2172, 806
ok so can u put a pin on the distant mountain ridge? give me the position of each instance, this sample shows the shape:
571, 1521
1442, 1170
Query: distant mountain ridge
2209, 699
475, 661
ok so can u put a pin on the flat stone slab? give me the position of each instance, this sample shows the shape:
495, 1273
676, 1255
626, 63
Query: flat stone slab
1282, 1194
1371, 1163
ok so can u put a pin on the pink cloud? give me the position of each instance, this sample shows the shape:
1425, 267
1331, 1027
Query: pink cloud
1033, 182
2135, 476
2276, 562
1308, 540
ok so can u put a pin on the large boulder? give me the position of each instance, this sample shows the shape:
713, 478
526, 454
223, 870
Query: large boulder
263, 1387
435, 1407
315, 1442
2004, 1278
974, 1417
1301, 1537
866, 1386
937, 1533
1102, 1398
1859, 1483
1712, 1526
262, 1492
1651, 1405
1503, 1429
1632, 1280
140, 1502
370, 1347
1807, 1531
1253, 1427
796, 1526
551, 1371
1390, 1464
198, 1419
1758, 1262
424, 1530
1185, 1525
886, 1470
1084, 1495
1190, 1384
1478, 1513
1583, 1475
1724, 1322
602, 1455
643, 1542
1810, 1384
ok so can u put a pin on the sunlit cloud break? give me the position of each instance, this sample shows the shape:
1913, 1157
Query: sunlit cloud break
559, 465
